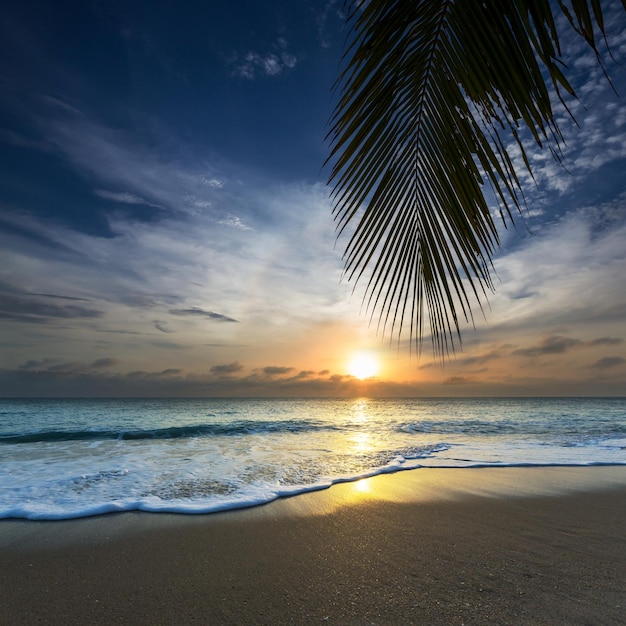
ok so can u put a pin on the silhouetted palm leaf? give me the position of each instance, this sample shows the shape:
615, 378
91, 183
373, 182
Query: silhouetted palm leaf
431, 93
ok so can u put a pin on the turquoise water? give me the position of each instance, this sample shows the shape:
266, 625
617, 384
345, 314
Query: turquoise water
74, 458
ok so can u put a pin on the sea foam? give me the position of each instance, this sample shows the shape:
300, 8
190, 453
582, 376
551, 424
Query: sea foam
74, 458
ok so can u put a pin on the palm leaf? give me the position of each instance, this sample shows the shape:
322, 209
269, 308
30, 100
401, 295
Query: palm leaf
430, 94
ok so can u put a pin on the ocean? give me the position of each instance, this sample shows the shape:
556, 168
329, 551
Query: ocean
68, 458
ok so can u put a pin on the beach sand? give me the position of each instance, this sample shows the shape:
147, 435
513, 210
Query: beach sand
428, 546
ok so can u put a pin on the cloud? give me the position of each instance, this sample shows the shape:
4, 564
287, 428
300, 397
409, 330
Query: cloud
597, 137
227, 368
169, 345
59, 378
67, 367
275, 281
197, 312
230, 243
273, 370
331, 8
571, 274
55, 365
75, 379
457, 380
123, 197
557, 344
141, 375
30, 232
33, 364
52, 295
21, 308
123, 169
479, 359
234, 222
608, 362
549, 345
606, 341
254, 64
104, 363
202, 180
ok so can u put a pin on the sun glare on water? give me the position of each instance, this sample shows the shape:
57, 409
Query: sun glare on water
363, 365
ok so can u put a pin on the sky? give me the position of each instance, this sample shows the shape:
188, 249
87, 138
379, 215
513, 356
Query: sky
166, 227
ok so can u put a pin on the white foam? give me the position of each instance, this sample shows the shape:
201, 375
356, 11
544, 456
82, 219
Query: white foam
251, 466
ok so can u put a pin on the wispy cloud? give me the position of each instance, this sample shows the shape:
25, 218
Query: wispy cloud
59, 297
124, 170
234, 222
201, 179
330, 9
227, 248
251, 65
596, 136
198, 312
123, 197
22, 308
572, 272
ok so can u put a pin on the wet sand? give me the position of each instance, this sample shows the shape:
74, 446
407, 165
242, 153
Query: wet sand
437, 546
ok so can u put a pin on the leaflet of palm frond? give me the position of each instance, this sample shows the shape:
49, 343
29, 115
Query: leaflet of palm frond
431, 94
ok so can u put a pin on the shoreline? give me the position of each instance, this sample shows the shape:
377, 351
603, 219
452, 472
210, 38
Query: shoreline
412, 486
425, 546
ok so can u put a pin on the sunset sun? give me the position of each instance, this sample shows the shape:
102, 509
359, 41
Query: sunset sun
363, 365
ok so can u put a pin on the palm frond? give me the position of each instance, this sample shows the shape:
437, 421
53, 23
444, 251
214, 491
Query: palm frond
430, 94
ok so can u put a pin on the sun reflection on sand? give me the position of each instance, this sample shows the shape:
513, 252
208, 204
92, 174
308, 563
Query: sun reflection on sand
363, 486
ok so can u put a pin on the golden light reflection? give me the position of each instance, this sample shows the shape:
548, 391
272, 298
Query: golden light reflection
361, 442
360, 409
363, 486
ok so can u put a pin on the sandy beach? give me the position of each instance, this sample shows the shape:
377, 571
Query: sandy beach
437, 546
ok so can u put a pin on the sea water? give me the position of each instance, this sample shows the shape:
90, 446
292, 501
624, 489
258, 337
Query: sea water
66, 458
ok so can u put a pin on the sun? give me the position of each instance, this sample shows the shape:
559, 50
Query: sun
363, 365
